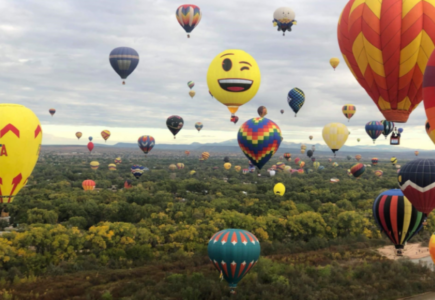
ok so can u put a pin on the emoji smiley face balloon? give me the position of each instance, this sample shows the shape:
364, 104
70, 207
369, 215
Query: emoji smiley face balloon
233, 78
20, 143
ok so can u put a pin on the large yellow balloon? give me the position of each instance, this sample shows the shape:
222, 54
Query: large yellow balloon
227, 166
335, 135
279, 189
20, 144
334, 62
233, 78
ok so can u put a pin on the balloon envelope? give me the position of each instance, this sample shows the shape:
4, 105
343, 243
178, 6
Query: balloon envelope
174, 124
146, 143
296, 99
279, 189
124, 60
335, 135
188, 16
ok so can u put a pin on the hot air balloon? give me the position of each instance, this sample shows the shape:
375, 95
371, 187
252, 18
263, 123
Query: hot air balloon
180, 166
330, 159
417, 181
280, 166
226, 159
112, 167
282, 111
20, 144
393, 161
124, 60
190, 84
313, 159
334, 180
284, 19
172, 167
335, 164
382, 45
137, 171
321, 168
227, 166
233, 252
379, 173
234, 119
105, 134
146, 143
90, 146
188, 16
400, 130
297, 160
416, 153
334, 62
349, 157
118, 160
90, 138
262, 111
335, 135
233, 78
245, 171
52, 111
358, 140
192, 172
88, 185
348, 111
388, 127
287, 169
397, 218
375, 161
259, 139
288, 156
205, 155
128, 184
310, 153
237, 168
357, 170
301, 171
198, 126
174, 124
358, 157
192, 94
374, 129
302, 164
94, 165
310, 137
296, 99
302, 151
78, 135
272, 173
316, 165
279, 189
187, 152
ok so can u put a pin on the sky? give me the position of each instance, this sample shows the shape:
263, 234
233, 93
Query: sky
55, 54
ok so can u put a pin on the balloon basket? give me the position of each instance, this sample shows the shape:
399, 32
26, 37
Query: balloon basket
123, 83
188, 36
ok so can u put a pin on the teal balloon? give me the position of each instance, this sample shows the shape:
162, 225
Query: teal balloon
233, 252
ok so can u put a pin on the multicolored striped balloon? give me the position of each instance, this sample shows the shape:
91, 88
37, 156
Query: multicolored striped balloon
190, 84
382, 43
88, 185
259, 139
146, 143
357, 170
188, 16
105, 134
349, 110
375, 161
396, 217
233, 252
374, 129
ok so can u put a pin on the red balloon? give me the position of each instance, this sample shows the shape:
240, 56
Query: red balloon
90, 146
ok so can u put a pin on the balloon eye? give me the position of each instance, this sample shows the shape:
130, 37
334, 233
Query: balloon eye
227, 64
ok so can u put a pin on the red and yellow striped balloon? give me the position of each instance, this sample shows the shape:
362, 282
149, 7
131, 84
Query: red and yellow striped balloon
88, 185
105, 134
386, 44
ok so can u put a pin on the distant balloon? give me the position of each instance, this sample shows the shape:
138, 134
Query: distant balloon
90, 146
226, 159
349, 157
188, 16
272, 173
282, 111
393, 161
279, 189
310, 137
374, 129
118, 160
137, 171
296, 99
172, 167
234, 119
379, 173
259, 139
88, 185
192, 94
187, 152
205, 155
94, 165
358, 157
112, 167
416, 153
146, 143
297, 160
52, 111
90, 138
400, 130
358, 140
262, 111
334, 62
198, 126
335, 135
227, 166
180, 166
78, 135
316, 165
190, 84
309, 153
375, 161
105, 134
174, 124
124, 60
284, 19
237, 168
357, 170
348, 111
287, 156
335, 164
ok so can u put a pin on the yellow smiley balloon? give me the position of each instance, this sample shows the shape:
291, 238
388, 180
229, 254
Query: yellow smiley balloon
233, 78
20, 143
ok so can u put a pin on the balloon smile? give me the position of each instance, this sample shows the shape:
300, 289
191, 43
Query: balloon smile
235, 85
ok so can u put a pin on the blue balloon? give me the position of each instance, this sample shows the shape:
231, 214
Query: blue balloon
90, 139
400, 130
374, 129
137, 171
388, 127
296, 99
124, 60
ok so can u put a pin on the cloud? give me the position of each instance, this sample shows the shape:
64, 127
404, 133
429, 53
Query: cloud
55, 54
